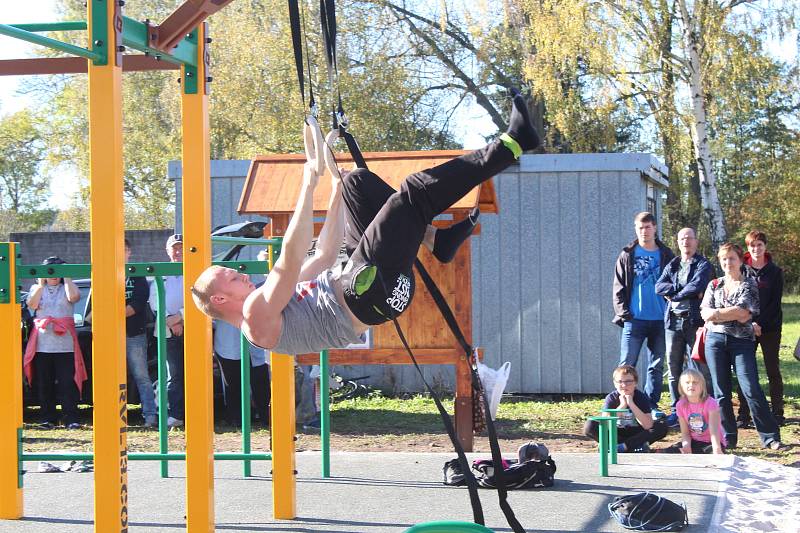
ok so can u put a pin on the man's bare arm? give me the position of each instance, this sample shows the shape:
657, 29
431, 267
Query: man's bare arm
330, 237
263, 308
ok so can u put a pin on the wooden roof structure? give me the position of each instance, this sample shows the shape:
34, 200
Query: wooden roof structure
273, 182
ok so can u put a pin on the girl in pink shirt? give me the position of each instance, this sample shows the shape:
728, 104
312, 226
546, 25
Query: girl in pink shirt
699, 417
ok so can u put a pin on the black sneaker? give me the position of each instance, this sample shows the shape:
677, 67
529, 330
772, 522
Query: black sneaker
744, 423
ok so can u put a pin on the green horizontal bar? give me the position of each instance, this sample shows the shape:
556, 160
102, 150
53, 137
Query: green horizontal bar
133, 270
134, 35
54, 271
145, 456
23, 35
65, 456
66, 25
245, 240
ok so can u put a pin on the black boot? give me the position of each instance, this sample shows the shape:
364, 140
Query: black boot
448, 240
520, 126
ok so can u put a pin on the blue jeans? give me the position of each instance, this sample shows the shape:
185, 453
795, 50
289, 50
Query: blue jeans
136, 349
175, 371
634, 333
680, 341
722, 351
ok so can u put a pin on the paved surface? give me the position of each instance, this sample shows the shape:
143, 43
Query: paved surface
384, 493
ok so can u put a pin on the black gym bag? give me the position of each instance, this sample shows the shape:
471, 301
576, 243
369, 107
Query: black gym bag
646, 511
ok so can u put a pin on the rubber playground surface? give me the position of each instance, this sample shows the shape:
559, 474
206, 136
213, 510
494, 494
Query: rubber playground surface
377, 492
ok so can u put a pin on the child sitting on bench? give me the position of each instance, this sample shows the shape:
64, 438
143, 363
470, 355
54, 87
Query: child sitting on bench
636, 429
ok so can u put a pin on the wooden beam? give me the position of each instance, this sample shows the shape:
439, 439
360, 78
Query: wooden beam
76, 65
183, 20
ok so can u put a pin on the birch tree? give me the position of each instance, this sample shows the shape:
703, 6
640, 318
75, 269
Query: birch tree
692, 33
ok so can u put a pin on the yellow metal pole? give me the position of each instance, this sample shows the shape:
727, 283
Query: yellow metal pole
284, 498
108, 276
10, 388
197, 332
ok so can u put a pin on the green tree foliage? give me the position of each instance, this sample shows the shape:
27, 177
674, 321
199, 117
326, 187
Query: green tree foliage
255, 105
593, 58
23, 188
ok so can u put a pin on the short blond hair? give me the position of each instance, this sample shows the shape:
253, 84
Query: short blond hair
691, 372
202, 290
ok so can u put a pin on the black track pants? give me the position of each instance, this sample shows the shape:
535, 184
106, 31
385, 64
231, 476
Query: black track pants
385, 228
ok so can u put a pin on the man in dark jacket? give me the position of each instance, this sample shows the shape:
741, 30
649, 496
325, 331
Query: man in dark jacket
637, 307
767, 325
683, 284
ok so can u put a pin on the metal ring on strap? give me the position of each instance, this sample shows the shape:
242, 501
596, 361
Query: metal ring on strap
330, 160
312, 139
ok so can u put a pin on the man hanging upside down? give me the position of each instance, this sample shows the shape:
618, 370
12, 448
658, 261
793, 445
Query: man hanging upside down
304, 306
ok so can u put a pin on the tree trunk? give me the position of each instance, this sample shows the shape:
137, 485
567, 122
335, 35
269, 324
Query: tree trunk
708, 187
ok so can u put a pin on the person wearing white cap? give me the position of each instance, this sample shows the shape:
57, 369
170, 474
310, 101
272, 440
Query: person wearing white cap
173, 292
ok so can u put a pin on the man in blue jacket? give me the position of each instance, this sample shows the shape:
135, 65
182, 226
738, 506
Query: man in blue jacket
683, 284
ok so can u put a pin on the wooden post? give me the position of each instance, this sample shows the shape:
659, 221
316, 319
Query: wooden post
108, 272
196, 202
282, 422
10, 387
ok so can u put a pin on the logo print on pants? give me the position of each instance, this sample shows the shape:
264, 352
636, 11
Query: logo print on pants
401, 294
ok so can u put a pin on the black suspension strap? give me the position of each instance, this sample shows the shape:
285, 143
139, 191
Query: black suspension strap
327, 14
298, 40
472, 484
497, 458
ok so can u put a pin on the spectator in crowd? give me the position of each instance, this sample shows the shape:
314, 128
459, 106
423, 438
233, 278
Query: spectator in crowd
136, 294
683, 284
698, 413
173, 292
53, 349
758, 265
729, 304
636, 429
227, 347
637, 307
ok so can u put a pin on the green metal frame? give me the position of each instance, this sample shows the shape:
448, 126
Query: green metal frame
7, 292
132, 270
143, 456
135, 35
190, 81
99, 38
12, 31
158, 270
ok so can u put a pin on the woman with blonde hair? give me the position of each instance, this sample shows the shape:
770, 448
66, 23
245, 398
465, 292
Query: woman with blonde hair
728, 307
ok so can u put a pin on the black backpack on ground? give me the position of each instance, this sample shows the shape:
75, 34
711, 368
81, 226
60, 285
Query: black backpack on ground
531, 474
646, 511
536, 469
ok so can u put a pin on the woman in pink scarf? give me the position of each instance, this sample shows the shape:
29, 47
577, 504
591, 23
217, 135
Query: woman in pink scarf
53, 350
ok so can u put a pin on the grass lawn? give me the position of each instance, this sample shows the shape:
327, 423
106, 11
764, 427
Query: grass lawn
413, 424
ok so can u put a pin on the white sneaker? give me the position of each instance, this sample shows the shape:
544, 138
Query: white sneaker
174, 422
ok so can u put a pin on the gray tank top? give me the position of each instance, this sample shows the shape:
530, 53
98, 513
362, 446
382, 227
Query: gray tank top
314, 320
54, 304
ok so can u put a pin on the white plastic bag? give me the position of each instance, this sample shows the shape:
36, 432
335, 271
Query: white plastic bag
494, 383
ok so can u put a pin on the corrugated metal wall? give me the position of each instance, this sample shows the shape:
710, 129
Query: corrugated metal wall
541, 269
